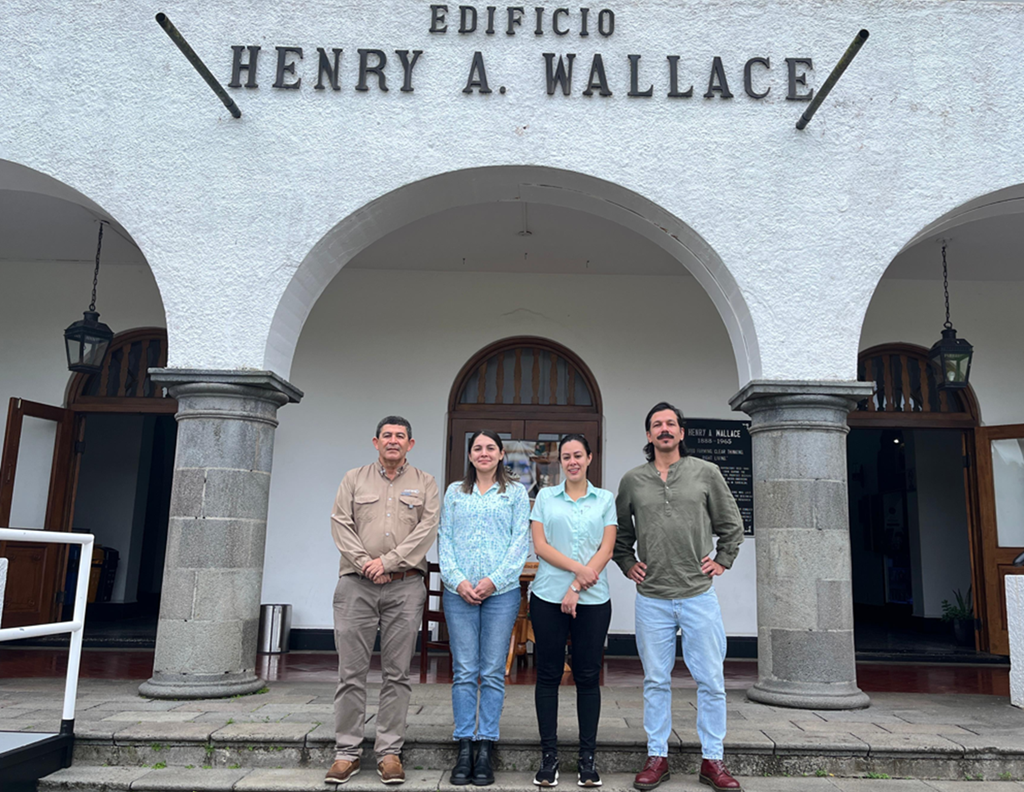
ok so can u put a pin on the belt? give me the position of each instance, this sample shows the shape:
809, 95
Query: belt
394, 575
408, 573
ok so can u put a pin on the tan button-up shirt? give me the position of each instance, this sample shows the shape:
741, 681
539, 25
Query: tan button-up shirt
393, 520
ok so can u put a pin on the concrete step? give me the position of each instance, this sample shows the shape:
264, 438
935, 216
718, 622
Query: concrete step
180, 779
749, 751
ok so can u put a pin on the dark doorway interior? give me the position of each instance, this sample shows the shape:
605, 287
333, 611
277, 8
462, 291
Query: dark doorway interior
123, 498
909, 541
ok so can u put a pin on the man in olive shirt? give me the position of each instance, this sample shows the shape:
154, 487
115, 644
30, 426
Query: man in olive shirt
670, 509
384, 521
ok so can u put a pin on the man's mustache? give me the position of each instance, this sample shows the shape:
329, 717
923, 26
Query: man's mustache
665, 436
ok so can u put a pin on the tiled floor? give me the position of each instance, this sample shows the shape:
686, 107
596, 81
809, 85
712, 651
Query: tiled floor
321, 667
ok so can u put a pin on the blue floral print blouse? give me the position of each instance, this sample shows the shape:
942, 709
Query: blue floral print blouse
484, 535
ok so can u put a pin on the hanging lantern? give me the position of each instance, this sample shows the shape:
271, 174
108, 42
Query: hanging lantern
86, 341
951, 355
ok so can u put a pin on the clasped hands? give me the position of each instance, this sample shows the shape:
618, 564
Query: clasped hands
475, 595
374, 570
585, 578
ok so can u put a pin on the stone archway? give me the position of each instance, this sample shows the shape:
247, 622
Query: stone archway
538, 186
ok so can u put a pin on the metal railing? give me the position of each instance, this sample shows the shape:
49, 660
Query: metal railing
75, 626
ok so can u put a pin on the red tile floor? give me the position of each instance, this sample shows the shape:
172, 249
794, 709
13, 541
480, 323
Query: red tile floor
623, 671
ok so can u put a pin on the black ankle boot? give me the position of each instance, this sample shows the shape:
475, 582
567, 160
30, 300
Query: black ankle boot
462, 773
483, 775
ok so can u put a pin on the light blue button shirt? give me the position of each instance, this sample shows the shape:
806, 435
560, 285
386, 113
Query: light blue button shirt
484, 535
574, 529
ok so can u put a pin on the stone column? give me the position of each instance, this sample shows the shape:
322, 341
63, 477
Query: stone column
213, 572
805, 652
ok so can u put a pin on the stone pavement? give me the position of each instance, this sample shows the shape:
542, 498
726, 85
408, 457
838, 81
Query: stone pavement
287, 729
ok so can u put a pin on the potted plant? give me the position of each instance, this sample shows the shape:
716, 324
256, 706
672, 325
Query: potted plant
961, 614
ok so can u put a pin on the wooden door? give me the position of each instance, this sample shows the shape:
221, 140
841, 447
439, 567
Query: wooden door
1000, 469
531, 447
554, 430
37, 474
463, 428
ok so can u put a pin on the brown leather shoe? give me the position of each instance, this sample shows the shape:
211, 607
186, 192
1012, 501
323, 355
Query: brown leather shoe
654, 771
714, 774
342, 770
389, 768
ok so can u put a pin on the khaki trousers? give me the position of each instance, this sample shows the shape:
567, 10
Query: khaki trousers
360, 607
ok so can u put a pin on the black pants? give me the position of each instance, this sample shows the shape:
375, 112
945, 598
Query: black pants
551, 628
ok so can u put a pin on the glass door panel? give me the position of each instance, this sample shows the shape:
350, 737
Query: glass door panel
1008, 485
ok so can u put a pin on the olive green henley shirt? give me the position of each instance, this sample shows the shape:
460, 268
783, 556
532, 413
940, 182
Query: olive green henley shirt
671, 523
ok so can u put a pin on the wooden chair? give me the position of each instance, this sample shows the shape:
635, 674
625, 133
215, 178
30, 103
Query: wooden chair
432, 615
522, 630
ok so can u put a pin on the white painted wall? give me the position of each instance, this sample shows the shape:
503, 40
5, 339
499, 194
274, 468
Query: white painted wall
382, 342
227, 211
986, 313
39, 299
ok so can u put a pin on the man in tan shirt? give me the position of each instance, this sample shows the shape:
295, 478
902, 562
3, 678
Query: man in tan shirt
384, 521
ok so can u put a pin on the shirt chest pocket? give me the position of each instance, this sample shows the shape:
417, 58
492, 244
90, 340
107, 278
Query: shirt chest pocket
410, 509
366, 507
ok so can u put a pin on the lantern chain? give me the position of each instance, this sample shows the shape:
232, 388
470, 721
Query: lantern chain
96, 272
945, 286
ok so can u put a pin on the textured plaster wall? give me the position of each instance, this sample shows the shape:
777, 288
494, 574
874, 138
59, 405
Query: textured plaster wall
226, 211
415, 332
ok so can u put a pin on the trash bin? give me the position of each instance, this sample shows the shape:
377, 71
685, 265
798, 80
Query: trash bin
275, 629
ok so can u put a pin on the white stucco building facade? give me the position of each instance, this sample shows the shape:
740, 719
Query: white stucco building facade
361, 246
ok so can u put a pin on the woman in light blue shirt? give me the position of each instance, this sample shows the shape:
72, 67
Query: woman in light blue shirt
483, 541
573, 535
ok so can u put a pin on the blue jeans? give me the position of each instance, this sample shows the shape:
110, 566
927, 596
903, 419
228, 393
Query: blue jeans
700, 619
479, 636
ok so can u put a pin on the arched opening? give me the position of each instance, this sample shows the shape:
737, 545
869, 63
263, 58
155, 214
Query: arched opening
50, 239
412, 294
531, 391
985, 291
523, 187
912, 536
122, 482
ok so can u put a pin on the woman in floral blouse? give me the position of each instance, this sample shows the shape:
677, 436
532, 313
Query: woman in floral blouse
483, 541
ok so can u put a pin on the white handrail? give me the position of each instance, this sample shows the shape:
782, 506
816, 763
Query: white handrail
77, 623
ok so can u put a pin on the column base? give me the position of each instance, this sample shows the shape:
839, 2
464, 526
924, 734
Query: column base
809, 695
190, 686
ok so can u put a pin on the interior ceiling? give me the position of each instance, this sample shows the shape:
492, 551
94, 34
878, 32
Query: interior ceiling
986, 249
39, 227
488, 237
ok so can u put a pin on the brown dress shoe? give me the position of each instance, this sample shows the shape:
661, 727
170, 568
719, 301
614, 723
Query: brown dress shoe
654, 771
342, 770
389, 768
714, 774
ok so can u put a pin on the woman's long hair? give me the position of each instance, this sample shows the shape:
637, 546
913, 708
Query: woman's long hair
501, 474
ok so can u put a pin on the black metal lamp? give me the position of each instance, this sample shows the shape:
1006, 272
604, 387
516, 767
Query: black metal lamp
950, 354
87, 339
